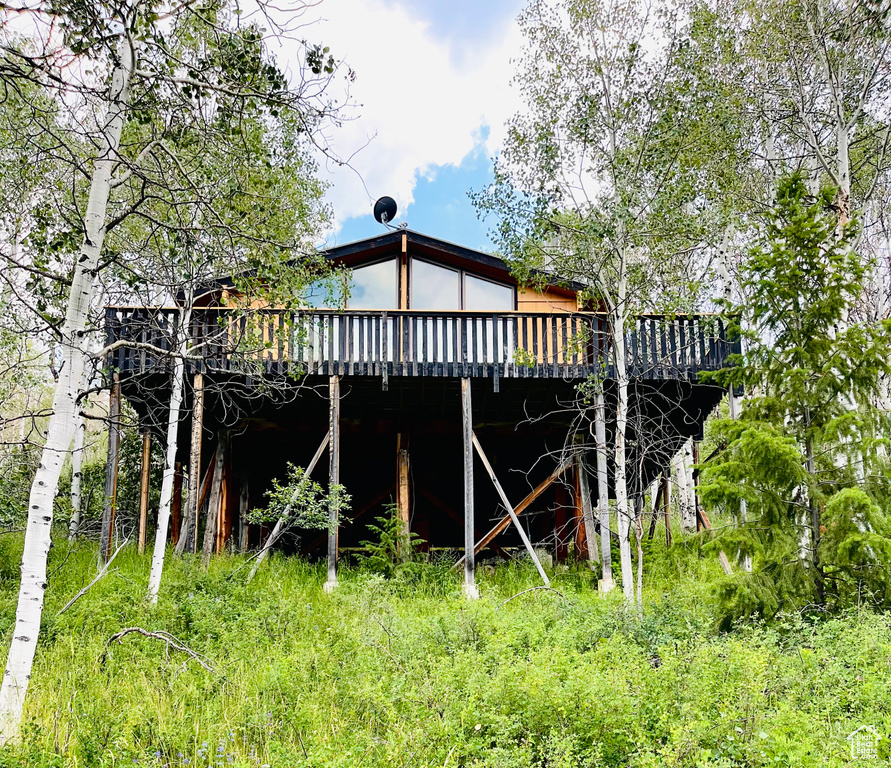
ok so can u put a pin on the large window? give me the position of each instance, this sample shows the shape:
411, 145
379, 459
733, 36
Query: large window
435, 287
486, 296
374, 286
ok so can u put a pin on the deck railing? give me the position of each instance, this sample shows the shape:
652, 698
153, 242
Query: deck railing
408, 343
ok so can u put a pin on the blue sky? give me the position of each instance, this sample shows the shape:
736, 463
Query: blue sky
441, 207
431, 98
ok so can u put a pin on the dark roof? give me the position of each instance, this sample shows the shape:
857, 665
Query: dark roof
384, 244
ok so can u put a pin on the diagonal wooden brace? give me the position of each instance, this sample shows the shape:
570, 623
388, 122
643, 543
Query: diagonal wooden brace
504, 522
510, 510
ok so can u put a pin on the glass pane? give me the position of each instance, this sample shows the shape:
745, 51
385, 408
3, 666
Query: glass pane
321, 293
434, 287
374, 286
486, 296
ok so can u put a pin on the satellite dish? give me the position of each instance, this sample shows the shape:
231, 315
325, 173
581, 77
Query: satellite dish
385, 210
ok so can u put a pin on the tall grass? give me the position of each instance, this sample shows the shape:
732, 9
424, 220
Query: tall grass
405, 672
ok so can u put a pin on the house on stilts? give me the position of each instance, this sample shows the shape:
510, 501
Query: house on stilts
442, 386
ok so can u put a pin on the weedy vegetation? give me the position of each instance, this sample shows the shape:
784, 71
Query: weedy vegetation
404, 671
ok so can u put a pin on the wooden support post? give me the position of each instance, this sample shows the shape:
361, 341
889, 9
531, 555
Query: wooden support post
510, 510
213, 506
188, 537
470, 589
587, 510
144, 475
177, 503
111, 470
519, 509
244, 500
561, 537
333, 476
224, 528
606, 581
403, 499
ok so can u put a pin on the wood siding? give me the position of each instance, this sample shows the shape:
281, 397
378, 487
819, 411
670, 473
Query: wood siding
531, 300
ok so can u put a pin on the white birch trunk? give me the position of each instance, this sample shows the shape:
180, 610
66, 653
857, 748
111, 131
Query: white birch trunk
61, 427
723, 265
76, 476
607, 583
623, 514
843, 164
176, 399
683, 475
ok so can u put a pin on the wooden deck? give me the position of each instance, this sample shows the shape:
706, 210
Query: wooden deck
408, 343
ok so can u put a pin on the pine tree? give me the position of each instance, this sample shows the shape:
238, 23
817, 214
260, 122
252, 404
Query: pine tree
811, 376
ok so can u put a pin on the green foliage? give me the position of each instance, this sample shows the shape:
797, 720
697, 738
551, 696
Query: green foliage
384, 673
812, 375
300, 501
17, 469
394, 551
855, 548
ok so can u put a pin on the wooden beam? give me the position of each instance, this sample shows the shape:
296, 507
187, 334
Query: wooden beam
177, 503
403, 499
333, 476
403, 274
213, 506
470, 589
111, 470
144, 476
510, 509
188, 536
606, 558
505, 521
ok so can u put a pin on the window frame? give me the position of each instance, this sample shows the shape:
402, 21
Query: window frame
462, 273
371, 264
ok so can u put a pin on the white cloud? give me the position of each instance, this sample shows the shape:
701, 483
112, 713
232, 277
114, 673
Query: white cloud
418, 107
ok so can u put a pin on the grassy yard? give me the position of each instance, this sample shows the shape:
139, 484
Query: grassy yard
405, 672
